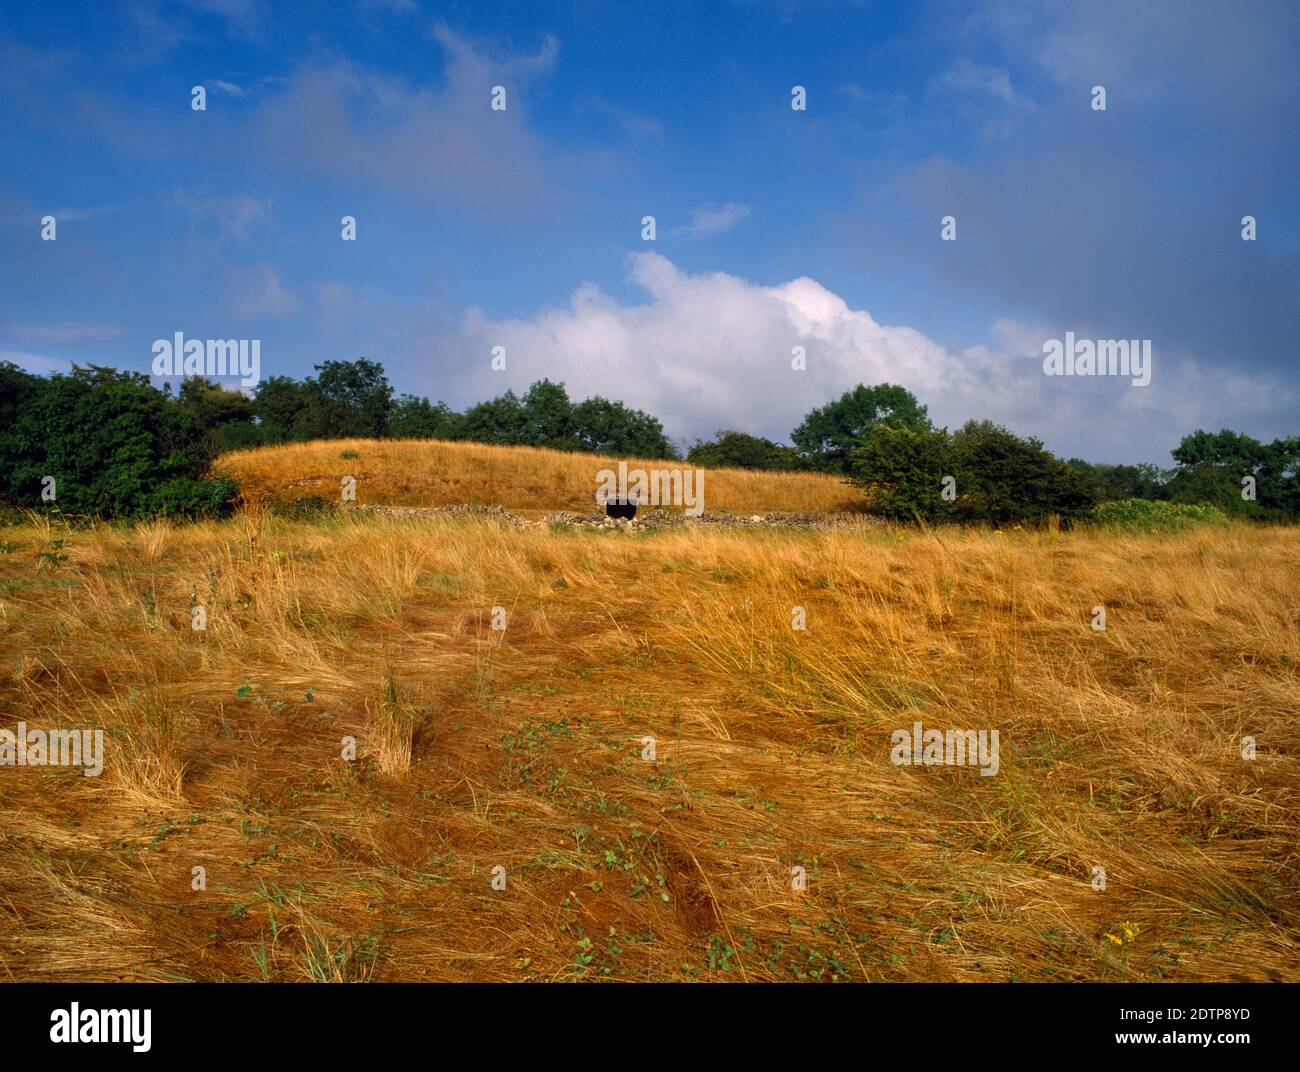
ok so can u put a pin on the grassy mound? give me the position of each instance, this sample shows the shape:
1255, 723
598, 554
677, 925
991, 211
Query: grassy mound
421, 472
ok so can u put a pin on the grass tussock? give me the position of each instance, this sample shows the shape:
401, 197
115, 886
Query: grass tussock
433, 473
521, 749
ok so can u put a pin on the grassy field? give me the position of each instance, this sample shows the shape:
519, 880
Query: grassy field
522, 749
522, 479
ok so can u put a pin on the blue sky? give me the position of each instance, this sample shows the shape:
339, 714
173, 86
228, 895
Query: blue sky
775, 228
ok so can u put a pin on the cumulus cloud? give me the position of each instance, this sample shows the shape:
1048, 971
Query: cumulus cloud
712, 351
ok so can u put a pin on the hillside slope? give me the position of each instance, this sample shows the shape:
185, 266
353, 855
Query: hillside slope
421, 472
523, 749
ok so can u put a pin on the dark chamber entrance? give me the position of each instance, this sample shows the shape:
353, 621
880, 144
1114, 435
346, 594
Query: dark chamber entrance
620, 508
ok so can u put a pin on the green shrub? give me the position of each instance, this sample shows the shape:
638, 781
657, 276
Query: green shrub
1156, 515
737, 450
902, 467
1004, 478
189, 497
107, 444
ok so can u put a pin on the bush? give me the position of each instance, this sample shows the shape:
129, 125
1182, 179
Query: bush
1156, 515
113, 445
902, 468
737, 450
187, 497
1003, 478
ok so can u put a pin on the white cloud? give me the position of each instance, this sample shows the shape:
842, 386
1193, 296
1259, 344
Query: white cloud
706, 352
714, 351
713, 219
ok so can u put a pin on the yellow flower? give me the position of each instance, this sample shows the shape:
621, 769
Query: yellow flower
1128, 930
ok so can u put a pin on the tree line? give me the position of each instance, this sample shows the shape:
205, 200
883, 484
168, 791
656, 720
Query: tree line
105, 442
882, 439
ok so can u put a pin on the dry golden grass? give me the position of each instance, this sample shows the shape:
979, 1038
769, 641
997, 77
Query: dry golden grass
431, 473
522, 749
